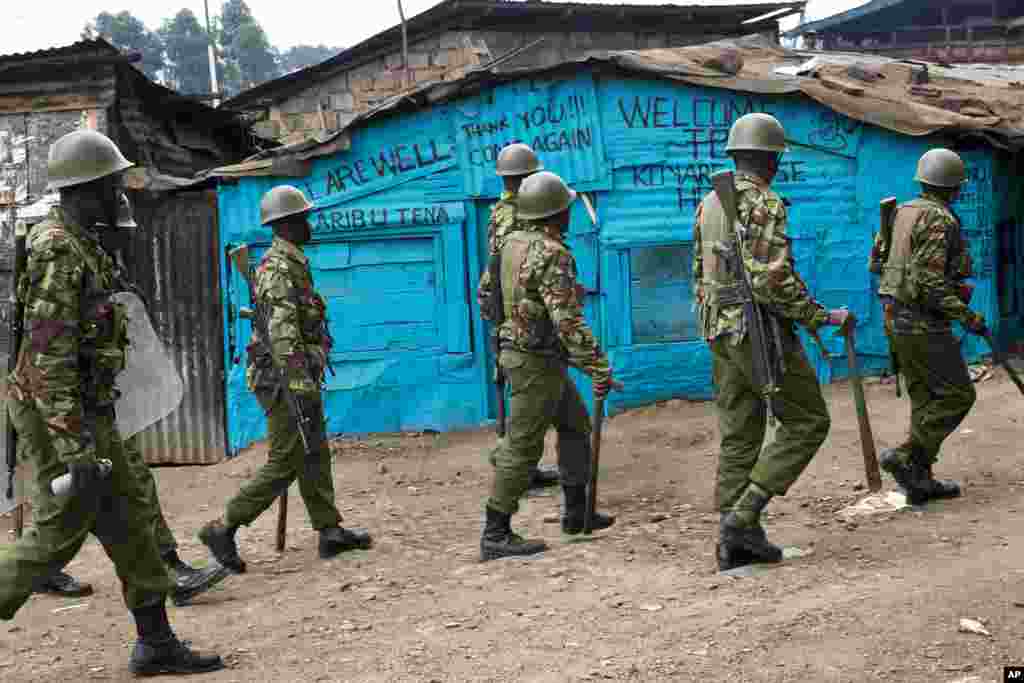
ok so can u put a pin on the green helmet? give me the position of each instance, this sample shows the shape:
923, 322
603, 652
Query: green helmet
518, 159
757, 133
281, 202
81, 157
542, 195
941, 168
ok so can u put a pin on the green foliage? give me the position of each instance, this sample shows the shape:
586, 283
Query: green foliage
128, 33
301, 56
186, 44
178, 55
249, 57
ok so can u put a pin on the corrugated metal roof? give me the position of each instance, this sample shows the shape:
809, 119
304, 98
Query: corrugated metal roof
988, 102
843, 17
451, 14
62, 51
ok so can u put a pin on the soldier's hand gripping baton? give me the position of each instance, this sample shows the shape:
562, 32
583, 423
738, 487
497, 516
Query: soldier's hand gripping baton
16, 311
763, 327
258, 316
867, 439
595, 460
1000, 359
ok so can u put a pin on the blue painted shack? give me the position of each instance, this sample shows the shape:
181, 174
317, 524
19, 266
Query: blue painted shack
404, 192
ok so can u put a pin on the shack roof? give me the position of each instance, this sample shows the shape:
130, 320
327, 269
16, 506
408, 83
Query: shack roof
857, 15
966, 101
506, 15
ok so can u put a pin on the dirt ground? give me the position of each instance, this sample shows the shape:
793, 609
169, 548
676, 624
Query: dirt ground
879, 600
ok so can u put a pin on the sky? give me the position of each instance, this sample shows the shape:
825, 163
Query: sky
29, 26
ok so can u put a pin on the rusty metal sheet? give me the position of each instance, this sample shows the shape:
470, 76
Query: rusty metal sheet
175, 260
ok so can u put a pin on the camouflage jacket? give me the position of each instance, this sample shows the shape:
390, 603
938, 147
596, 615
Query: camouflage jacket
75, 336
938, 261
503, 222
543, 306
297, 322
767, 254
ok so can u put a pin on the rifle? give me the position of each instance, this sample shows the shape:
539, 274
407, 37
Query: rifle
497, 316
309, 434
763, 327
887, 211
17, 313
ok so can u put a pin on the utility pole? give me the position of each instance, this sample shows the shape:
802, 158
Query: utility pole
405, 47
212, 55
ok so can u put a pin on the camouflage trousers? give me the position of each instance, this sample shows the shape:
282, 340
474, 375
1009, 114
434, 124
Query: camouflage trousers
940, 390
286, 462
165, 540
541, 395
119, 514
803, 421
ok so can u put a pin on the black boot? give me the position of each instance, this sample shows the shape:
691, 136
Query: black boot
908, 475
576, 512
189, 581
742, 539
731, 557
543, 475
498, 540
938, 488
220, 539
335, 540
158, 650
64, 585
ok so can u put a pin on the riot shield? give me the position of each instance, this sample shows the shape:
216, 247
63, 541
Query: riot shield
150, 386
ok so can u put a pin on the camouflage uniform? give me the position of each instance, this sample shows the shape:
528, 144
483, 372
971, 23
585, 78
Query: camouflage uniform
300, 343
544, 329
741, 412
62, 404
503, 222
925, 264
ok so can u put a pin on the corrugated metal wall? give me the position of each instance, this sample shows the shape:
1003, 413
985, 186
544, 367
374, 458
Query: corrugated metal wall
174, 258
645, 151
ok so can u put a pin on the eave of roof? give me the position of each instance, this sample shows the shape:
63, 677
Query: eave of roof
63, 51
452, 13
842, 17
992, 101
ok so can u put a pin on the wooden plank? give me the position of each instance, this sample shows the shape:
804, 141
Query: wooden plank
49, 103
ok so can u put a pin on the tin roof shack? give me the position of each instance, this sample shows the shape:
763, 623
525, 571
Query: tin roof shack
951, 31
455, 36
403, 196
173, 254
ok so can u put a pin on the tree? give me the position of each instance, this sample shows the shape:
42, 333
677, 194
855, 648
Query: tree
301, 56
126, 32
257, 60
249, 57
185, 42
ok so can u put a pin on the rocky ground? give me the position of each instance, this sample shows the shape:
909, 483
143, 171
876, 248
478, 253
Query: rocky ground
874, 599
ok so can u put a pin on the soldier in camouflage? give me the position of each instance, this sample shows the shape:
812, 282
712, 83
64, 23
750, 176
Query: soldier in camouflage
515, 163
189, 581
61, 402
749, 474
299, 342
922, 285
544, 332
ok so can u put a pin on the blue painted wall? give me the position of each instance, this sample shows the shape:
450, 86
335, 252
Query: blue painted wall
401, 223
